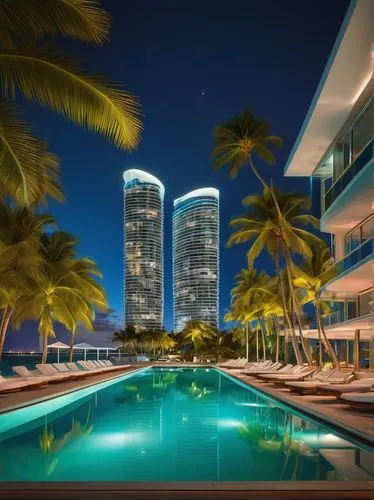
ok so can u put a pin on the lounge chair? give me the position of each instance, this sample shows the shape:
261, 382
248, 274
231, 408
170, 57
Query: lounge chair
261, 365
266, 377
359, 399
35, 375
274, 368
228, 362
16, 384
111, 366
311, 386
360, 385
237, 364
64, 369
306, 372
47, 370
90, 368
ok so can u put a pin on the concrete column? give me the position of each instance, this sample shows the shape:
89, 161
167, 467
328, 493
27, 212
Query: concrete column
356, 350
339, 246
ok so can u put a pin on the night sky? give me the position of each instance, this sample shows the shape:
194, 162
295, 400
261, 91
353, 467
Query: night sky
193, 65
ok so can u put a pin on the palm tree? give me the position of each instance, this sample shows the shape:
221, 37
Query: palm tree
247, 298
127, 337
280, 236
64, 290
236, 141
197, 332
165, 342
311, 276
30, 66
21, 231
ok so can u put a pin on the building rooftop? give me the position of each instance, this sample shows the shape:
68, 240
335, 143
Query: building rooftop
197, 193
347, 73
141, 175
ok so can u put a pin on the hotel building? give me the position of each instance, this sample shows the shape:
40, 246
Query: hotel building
143, 250
336, 145
196, 258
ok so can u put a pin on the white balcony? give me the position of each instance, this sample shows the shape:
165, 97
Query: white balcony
355, 272
350, 199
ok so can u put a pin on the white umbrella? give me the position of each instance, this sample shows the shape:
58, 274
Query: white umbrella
58, 346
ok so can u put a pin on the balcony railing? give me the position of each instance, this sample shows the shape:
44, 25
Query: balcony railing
333, 318
339, 316
349, 173
356, 256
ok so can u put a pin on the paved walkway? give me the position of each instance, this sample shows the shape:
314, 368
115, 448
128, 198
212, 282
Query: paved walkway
359, 422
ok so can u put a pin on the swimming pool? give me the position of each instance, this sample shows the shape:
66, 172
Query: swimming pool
173, 424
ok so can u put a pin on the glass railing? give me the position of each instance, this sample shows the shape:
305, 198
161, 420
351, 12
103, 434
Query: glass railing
343, 315
349, 173
357, 255
333, 318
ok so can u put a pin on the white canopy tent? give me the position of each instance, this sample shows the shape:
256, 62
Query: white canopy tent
58, 346
88, 347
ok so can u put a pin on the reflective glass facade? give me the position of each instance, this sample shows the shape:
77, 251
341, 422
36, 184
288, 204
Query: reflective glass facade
196, 258
143, 250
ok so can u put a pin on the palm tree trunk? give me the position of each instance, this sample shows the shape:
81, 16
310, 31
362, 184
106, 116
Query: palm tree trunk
326, 342
294, 342
306, 350
257, 356
277, 332
71, 347
45, 348
246, 341
7, 314
320, 349
262, 337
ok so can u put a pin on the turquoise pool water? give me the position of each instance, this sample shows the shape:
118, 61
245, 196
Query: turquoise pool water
172, 425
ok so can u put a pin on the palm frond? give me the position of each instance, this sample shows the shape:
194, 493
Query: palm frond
82, 20
20, 168
51, 79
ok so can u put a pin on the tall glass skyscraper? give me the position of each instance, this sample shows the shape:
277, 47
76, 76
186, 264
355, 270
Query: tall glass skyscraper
196, 258
143, 250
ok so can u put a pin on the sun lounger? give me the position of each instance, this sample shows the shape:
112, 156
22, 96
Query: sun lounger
262, 365
88, 367
111, 366
274, 368
311, 386
228, 362
292, 370
16, 384
361, 385
25, 373
301, 375
237, 364
359, 399
47, 370
64, 369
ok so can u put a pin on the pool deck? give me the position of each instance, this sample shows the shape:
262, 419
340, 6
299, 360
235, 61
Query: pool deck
16, 400
327, 408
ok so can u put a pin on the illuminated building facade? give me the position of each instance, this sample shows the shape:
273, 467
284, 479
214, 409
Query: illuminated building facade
196, 258
143, 250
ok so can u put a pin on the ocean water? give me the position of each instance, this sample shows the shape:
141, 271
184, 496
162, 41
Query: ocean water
173, 424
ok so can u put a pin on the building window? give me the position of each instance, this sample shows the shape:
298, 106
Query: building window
359, 235
363, 129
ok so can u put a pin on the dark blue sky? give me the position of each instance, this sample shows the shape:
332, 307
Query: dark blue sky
268, 55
